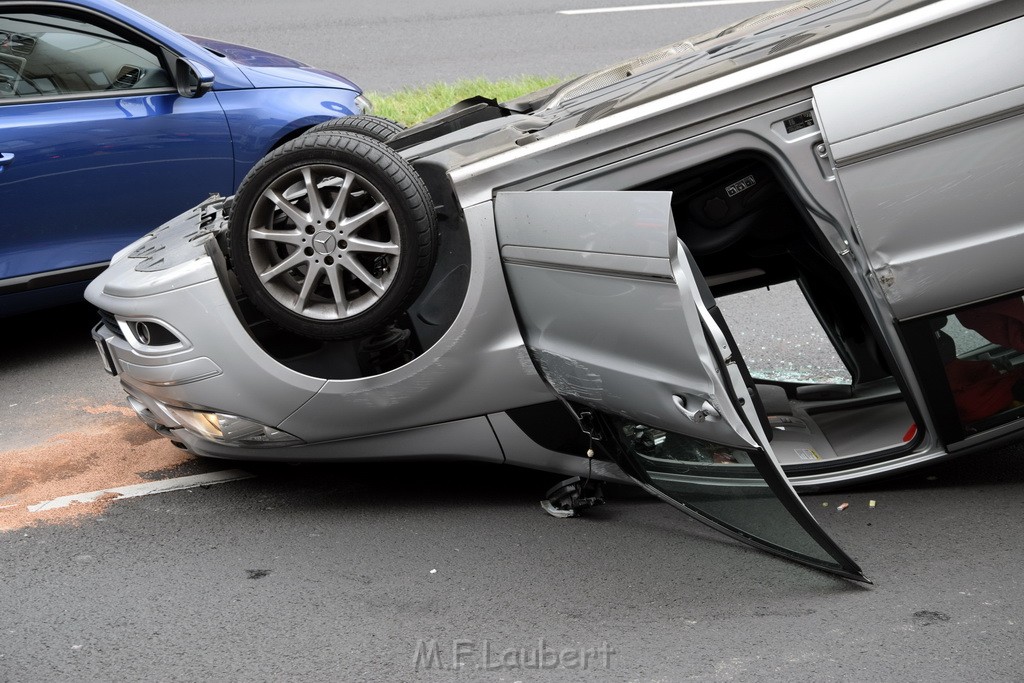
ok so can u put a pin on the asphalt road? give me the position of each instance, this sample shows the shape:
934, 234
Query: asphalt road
384, 46
347, 572
358, 572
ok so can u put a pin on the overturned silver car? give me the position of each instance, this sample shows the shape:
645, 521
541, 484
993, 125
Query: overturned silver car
537, 282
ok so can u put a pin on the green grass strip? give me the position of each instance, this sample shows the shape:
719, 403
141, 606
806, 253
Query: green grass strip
411, 105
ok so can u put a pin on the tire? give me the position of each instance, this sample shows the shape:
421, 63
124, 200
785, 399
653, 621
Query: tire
376, 127
332, 269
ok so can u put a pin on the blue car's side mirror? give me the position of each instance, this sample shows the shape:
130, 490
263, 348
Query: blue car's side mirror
192, 79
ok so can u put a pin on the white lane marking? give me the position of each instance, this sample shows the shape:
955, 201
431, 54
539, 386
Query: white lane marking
146, 489
670, 5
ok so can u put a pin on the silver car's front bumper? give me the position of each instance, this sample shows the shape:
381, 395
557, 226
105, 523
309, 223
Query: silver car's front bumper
176, 280
205, 357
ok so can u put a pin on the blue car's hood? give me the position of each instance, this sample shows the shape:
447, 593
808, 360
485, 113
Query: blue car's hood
269, 70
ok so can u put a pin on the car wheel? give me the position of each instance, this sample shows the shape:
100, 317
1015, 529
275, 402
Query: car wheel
332, 235
376, 127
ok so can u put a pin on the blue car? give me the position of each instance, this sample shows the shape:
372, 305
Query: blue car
111, 123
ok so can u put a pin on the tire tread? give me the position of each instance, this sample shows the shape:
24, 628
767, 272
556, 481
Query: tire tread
401, 179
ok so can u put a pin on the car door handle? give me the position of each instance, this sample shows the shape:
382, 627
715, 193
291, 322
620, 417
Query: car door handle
5, 159
697, 416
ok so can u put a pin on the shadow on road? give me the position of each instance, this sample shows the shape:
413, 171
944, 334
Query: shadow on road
43, 335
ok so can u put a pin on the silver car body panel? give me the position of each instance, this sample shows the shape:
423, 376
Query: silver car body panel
619, 340
479, 366
932, 169
471, 439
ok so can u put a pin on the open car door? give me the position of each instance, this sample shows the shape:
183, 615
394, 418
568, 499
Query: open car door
622, 325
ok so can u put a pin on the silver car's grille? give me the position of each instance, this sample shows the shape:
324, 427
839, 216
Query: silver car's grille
110, 322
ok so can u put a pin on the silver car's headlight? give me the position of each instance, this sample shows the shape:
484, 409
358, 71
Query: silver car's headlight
230, 429
365, 105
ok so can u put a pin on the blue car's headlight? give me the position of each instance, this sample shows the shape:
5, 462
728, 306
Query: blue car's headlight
364, 104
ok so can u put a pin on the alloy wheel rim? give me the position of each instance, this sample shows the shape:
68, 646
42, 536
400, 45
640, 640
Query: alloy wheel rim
324, 242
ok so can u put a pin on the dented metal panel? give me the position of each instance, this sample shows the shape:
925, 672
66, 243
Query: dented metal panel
591, 222
929, 158
927, 93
